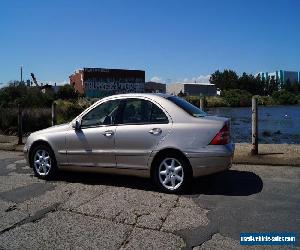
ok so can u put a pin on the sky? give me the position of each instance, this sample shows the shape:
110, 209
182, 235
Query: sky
171, 40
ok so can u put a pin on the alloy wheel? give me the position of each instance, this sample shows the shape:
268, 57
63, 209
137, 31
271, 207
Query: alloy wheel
42, 162
171, 173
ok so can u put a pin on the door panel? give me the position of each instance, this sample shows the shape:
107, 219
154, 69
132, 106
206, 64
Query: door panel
134, 144
144, 125
91, 146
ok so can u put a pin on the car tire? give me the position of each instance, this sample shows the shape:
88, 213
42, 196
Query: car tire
172, 173
43, 162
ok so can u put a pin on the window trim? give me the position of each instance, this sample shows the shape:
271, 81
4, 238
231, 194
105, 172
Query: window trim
119, 120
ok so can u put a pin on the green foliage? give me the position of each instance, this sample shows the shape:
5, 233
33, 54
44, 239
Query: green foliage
68, 110
284, 97
237, 97
216, 101
210, 101
67, 92
265, 100
27, 97
39, 118
298, 98
252, 84
228, 80
33, 119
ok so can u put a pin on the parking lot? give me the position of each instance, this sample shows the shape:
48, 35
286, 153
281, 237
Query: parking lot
84, 210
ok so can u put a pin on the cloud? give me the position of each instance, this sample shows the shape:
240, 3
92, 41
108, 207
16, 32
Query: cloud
2, 84
156, 79
201, 79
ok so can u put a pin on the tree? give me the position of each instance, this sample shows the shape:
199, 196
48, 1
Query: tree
181, 94
284, 97
228, 79
25, 96
67, 92
272, 86
237, 97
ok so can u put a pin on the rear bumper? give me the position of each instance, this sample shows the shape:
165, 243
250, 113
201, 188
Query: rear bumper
211, 160
210, 165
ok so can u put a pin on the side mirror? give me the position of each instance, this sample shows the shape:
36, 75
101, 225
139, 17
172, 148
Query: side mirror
77, 125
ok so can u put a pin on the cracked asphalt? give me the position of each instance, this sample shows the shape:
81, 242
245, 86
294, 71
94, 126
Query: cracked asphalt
100, 211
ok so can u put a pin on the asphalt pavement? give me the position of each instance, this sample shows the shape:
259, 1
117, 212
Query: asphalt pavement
100, 211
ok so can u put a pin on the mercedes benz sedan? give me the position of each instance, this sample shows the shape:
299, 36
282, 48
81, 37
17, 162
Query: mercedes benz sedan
152, 135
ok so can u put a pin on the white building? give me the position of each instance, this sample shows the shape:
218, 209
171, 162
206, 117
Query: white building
192, 89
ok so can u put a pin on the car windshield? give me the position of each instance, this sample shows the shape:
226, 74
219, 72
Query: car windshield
186, 106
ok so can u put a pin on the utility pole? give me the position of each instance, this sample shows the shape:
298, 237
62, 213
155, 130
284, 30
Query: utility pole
254, 150
20, 129
202, 102
53, 113
21, 74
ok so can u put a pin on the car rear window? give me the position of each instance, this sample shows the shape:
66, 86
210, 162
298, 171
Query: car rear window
186, 106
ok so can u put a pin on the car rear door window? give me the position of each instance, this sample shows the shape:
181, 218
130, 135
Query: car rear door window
139, 111
157, 115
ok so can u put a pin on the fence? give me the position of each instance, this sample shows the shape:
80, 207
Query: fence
21, 120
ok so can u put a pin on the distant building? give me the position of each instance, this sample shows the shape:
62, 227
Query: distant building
100, 82
48, 88
155, 87
281, 75
193, 89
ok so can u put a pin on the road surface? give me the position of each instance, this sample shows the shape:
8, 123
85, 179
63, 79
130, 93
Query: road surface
81, 210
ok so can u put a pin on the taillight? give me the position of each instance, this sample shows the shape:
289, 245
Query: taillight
222, 137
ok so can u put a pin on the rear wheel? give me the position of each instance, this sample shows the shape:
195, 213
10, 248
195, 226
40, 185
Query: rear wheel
172, 173
43, 162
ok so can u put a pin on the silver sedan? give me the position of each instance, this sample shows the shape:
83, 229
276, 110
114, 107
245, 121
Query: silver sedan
151, 135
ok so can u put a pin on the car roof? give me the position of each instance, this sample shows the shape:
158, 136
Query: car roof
141, 94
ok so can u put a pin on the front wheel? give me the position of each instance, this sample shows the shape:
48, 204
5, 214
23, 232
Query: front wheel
43, 162
172, 174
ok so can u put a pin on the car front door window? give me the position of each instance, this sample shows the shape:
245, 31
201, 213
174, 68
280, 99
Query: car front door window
103, 114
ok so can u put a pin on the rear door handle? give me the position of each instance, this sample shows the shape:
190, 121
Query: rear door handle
108, 133
155, 131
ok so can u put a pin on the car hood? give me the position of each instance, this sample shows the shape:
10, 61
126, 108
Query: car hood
57, 128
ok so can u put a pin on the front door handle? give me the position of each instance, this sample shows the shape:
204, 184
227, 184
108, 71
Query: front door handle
155, 131
108, 133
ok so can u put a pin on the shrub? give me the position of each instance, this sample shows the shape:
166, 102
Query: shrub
284, 97
265, 100
216, 101
67, 110
27, 97
67, 92
298, 98
237, 97
32, 120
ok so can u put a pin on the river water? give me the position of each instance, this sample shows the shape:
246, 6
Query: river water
276, 124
